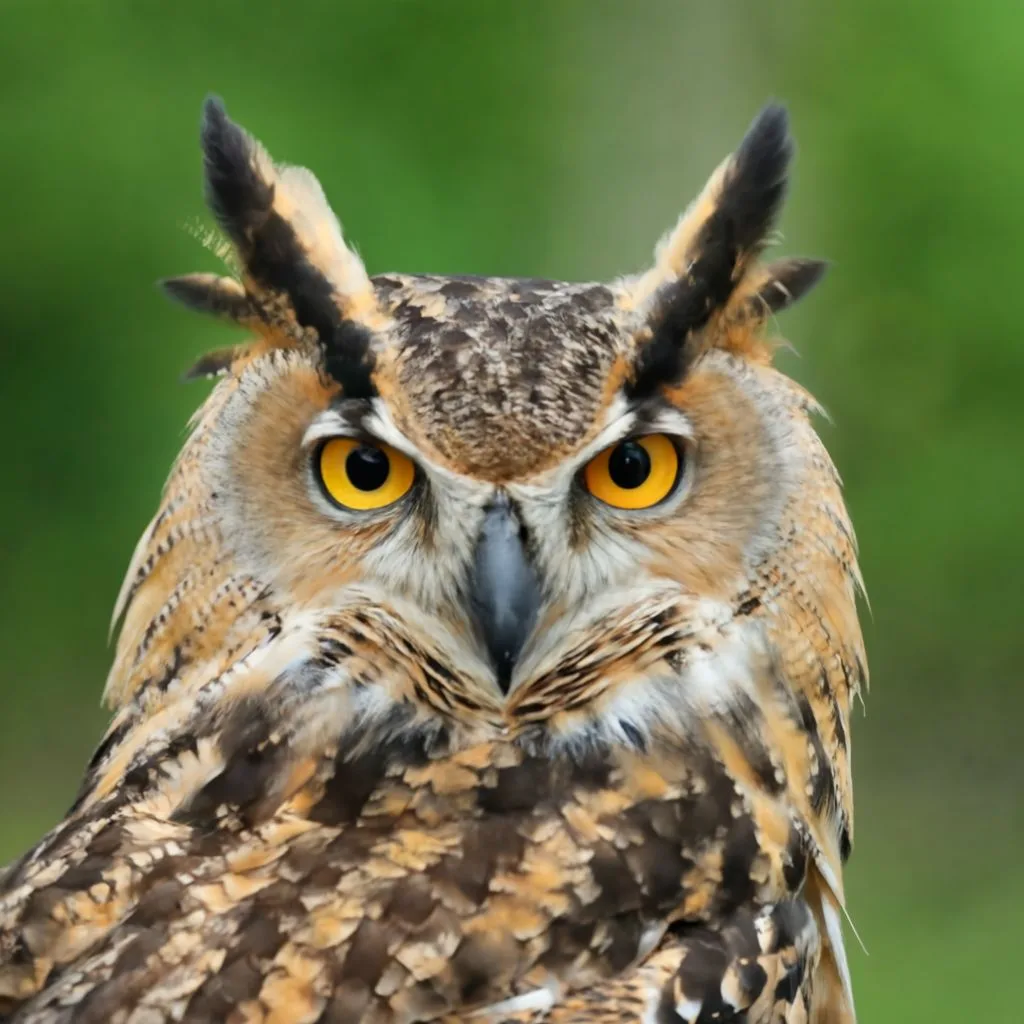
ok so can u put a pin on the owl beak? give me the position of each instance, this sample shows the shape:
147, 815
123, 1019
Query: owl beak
505, 595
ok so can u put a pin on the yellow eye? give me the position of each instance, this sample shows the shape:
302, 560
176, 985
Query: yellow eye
633, 474
363, 476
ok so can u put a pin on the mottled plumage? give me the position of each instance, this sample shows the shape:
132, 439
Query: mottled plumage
498, 749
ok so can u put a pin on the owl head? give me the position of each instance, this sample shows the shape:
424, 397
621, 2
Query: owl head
472, 506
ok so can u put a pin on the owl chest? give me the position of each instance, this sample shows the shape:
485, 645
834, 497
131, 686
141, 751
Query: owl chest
498, 824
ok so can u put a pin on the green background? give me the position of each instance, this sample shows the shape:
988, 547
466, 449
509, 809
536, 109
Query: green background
559, 139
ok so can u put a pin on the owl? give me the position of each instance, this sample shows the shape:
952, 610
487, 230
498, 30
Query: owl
490, 656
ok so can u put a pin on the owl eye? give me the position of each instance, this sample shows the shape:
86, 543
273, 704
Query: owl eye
634, 474
361, 476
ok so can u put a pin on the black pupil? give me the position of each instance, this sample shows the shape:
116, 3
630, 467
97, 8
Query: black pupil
629, 465
367, 468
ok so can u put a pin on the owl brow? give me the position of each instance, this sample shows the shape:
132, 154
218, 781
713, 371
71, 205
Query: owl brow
655, 415
704, 268
345, 416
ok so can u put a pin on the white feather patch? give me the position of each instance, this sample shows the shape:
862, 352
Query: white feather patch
834, 929
540, 999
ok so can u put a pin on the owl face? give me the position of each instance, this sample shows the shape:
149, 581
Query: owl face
570, 501
502, 494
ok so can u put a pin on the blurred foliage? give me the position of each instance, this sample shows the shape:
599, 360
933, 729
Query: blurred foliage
559, 138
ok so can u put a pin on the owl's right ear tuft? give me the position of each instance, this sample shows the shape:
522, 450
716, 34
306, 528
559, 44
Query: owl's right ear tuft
239, 175
300, 281
216, 363
210, 293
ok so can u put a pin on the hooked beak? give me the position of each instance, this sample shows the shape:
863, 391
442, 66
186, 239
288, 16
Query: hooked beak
504, 595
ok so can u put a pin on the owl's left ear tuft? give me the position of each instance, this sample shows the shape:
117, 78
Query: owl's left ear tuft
704, 268
777, 286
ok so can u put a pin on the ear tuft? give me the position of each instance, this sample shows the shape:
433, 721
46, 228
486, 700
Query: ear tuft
755, 184
210, 293
705, 264
786, 282
239, 190
300, 281
214, 364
